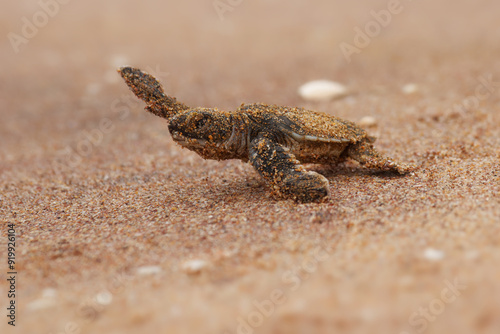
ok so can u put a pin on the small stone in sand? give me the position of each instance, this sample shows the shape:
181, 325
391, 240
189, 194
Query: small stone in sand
104, 297
368, 121
322, 90
193, 267
409, 88
47, 300
148, 270
41, 304
433, 254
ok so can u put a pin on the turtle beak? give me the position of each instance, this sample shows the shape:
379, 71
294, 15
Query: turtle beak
175, 124
174, 131
172, 127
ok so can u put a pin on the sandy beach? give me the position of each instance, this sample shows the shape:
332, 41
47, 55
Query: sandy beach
120, 230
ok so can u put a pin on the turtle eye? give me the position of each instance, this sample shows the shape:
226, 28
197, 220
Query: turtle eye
200, 122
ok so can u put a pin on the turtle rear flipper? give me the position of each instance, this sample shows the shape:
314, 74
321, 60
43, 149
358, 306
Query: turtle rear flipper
364, 153
148, 89
285, 174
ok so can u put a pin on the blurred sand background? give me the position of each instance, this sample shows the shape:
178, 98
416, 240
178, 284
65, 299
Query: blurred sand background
122, 231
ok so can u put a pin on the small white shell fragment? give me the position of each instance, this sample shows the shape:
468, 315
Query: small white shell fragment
368, 121
322, 90
433, 254
48, 299
410, 88
148, 270
193, 267
40, 304
104, 297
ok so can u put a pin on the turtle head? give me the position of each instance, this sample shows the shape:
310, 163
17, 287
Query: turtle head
201, 130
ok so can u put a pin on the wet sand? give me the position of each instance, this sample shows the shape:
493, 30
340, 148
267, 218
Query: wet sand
120, 230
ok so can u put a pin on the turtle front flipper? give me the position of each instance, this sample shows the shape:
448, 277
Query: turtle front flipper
148, 89
365, 154
285, 174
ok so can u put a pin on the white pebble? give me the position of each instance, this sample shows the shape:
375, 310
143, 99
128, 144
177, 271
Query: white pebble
322, 90
41, 304
47, 300
194, 266
433, 254
148, 270
104, 297
368, 121
409, 88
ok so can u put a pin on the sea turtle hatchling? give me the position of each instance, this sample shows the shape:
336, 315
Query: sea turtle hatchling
274, 139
